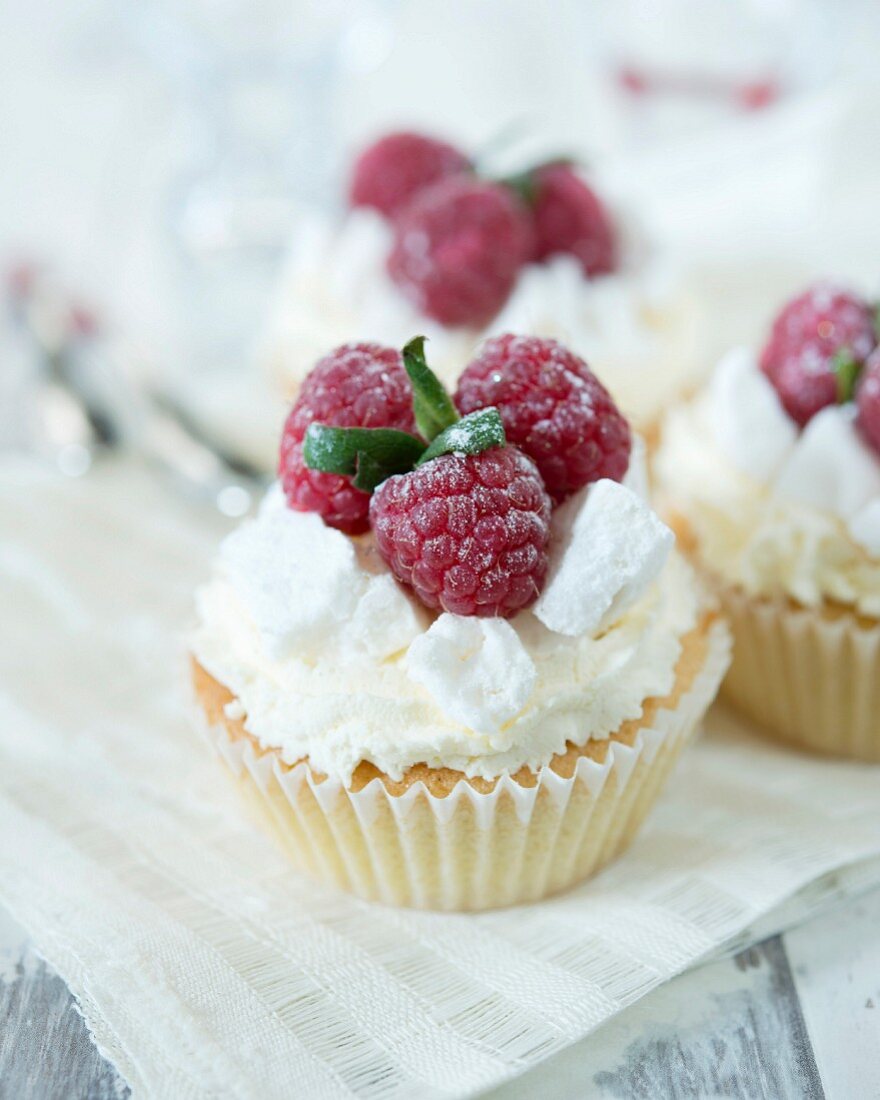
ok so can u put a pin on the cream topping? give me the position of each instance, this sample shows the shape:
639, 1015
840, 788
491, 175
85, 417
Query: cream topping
773, 510
480, 696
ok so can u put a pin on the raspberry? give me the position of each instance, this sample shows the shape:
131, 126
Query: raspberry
355, 386
458, 248
553, 407
868, 400
568, 217
806, 336
468, 533
390, 172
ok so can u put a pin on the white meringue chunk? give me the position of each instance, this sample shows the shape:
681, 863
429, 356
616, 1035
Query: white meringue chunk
307, 591
476, 670
294, 574
751, 426
385, 619
830, 468
608, 546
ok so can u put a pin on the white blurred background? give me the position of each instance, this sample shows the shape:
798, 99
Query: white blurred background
156, 152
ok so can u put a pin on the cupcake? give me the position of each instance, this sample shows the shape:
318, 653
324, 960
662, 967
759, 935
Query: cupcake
771, 478
454, 657
427, 245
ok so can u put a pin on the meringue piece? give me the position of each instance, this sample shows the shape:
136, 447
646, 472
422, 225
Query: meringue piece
636, 476
385, 619
751, 426
309, 587
830, 468
864, 528
476, 670
295, 576
608, 547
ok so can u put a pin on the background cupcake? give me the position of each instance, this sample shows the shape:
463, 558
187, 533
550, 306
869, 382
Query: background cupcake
430, 243
772, 477
454, 663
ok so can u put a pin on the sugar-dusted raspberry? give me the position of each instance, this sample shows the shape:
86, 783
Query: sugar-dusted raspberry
355, 386
868, 400
553, 408
393, 169
805, 341
468, 533
458, 248
568, 217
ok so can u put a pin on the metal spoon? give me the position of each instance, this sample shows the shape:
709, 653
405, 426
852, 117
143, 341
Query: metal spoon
86, 405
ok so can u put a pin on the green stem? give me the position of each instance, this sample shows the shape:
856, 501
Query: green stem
846, 369
525, 183
472, 434
432, 405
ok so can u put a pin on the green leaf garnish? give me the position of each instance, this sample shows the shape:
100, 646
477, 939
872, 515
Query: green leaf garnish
525, 183
472, 434
846, 369
432, 405
369, 455
370, 473
877, 320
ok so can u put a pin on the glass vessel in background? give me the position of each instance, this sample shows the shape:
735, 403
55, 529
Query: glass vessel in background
255, 88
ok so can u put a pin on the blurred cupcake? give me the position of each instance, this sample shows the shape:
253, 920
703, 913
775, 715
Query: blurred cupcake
772, 479
428, 246
454, 671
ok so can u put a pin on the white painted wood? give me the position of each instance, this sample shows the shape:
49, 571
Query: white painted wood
45, 1049
835, 961
13, 944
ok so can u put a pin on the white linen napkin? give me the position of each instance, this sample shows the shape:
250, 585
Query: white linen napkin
203, 965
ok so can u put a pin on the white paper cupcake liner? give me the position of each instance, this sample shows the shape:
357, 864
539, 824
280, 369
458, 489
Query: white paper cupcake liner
809, 677
472, 850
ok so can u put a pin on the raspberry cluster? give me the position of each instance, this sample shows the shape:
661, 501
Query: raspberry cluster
460, 241
823, 350
458, 498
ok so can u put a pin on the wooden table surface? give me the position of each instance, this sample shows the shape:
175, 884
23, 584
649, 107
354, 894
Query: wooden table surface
796, 1016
